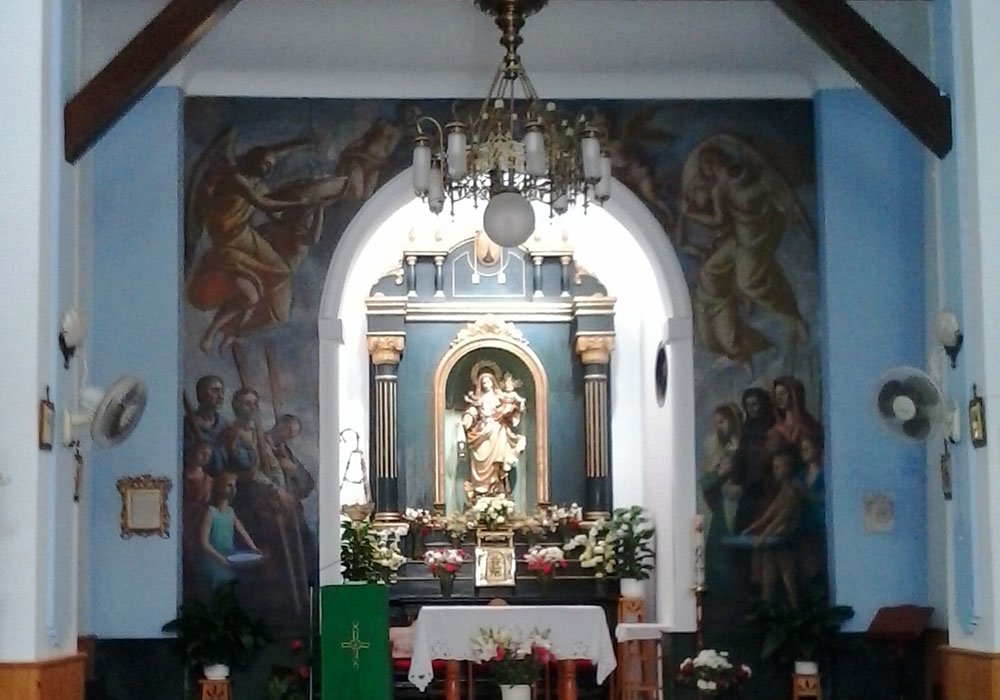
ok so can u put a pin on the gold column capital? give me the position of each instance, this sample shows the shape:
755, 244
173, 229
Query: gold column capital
385, 349
595, 349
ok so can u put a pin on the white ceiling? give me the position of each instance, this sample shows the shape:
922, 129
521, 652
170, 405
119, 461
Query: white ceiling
447, 48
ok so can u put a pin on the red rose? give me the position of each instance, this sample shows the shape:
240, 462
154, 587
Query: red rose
449, 567
304, 671
499, 654
296, 644
541, 652
547, 568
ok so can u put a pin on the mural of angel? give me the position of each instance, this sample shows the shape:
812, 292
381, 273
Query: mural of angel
256, 234
729, 188
490, 420
629, 164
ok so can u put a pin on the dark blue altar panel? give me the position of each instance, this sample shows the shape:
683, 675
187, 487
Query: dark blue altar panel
426, 344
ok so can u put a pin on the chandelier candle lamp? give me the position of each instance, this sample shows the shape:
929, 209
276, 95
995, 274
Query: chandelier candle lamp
515, 150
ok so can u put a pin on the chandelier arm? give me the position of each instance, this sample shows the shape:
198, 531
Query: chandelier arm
436, 123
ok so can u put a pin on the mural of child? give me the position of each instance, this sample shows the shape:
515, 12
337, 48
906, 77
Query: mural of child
812, 536
777, 527
218, 531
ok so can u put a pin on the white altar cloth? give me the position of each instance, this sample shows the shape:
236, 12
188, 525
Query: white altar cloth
446, 632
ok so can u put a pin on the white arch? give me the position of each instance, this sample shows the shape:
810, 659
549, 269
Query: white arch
668, 444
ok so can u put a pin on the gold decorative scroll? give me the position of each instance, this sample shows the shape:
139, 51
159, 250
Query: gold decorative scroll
489, 326
507, 337
385, 349
595, 349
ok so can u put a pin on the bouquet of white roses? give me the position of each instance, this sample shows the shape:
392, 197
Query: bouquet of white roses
531, 528
712, 672
493, 511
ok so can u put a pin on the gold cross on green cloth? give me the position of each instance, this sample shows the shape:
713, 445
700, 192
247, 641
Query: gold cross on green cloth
355, 645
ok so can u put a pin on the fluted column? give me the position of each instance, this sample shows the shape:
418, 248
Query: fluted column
595, 353
385, 351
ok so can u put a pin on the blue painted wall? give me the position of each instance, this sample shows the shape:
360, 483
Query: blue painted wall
136, 271
871, 198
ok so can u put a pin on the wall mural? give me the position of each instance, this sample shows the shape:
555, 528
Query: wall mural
271, 184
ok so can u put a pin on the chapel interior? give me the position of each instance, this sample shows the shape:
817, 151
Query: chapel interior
269, 337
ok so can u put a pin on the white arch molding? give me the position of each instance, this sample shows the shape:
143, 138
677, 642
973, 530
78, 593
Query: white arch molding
667, 451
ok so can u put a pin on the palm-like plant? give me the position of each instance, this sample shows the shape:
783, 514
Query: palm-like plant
217, 632
803, 633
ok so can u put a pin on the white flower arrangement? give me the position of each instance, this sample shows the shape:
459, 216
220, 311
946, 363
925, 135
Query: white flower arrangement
493, 511
420, 519
712, 672
512, 658
531, 527
562, 518
598, 549
386, 550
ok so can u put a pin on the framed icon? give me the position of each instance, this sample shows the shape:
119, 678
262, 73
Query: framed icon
46, 422
977, 420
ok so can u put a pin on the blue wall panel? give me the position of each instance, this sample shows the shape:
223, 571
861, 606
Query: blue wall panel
136, 271
871, 195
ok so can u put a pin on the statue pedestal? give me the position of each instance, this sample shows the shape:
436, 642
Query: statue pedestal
495, 563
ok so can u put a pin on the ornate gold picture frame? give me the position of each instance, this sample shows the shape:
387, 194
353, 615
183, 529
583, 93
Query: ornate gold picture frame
144, 506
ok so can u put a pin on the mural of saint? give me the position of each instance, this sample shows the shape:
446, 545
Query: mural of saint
729, 189
490, 423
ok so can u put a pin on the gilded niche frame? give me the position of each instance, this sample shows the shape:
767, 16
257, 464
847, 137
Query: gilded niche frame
491, 332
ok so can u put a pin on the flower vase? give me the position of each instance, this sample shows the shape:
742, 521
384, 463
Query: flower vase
632, 588
515, 692
447, 581
600, 586
416, 544
545, 583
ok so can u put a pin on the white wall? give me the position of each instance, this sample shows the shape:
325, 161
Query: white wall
38, 541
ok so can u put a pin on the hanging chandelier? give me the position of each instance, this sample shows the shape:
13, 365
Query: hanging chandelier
514, 150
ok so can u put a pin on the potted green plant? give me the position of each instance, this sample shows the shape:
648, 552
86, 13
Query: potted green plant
632, 536
217, 634
804, 634
358, 552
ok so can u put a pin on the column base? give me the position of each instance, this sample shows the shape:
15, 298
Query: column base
52, 679
970, 674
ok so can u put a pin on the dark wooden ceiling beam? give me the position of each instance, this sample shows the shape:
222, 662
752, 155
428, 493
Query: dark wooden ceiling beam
157, 48
878, 67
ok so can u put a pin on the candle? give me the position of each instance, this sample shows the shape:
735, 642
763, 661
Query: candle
699, 550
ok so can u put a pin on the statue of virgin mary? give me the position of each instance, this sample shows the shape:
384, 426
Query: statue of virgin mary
492, 414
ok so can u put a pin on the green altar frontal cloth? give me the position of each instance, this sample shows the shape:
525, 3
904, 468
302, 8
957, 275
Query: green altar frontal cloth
354, 625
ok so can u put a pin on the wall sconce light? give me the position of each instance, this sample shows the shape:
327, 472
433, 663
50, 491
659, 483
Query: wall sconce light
946, 332
71, 332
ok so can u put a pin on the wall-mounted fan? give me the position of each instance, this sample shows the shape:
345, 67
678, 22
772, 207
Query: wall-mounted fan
912, 406
112, 415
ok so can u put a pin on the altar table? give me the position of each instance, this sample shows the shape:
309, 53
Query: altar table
575, 632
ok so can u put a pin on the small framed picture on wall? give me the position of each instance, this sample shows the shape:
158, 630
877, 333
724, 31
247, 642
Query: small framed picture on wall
144, 506
46, 422
977, 420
